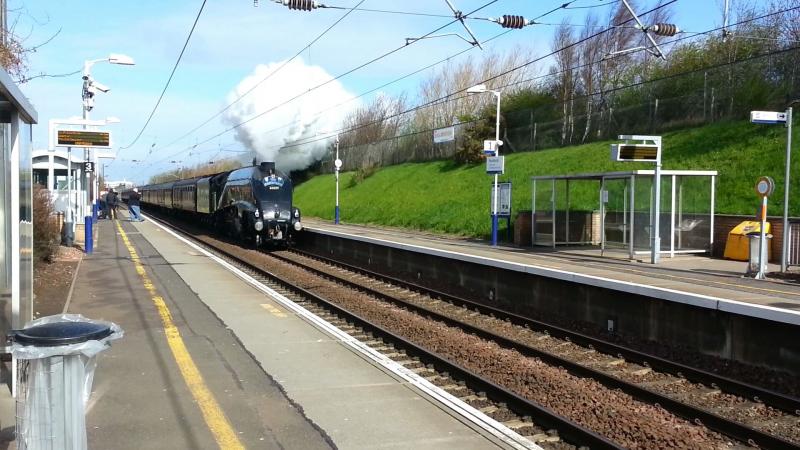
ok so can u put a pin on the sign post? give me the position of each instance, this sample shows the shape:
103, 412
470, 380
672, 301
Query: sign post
774, 117
649, 150
764, 188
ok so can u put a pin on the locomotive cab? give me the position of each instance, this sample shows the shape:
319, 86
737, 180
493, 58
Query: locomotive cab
256, 204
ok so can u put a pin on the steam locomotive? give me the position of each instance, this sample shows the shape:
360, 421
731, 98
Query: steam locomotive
253, 204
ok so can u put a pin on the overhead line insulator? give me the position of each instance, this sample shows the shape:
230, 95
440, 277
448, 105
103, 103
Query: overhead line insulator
664, 29
303, 5
512, 21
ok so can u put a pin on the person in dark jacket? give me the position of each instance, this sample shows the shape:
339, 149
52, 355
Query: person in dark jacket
111, 201
133, 205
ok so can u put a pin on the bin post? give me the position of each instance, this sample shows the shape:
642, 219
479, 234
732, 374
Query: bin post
760, 275
87, 235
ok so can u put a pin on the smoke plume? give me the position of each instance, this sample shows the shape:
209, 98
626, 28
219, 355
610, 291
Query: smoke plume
266, 136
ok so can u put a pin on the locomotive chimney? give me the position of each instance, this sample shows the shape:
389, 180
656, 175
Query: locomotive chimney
267, 166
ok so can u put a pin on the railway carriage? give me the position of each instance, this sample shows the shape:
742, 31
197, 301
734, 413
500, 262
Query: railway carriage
253, 204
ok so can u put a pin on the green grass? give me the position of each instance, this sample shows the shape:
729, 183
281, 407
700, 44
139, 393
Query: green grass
444, 197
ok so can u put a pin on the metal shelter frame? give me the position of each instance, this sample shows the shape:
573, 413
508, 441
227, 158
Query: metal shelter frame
677, 223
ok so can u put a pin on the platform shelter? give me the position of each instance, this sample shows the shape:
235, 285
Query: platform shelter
613, 211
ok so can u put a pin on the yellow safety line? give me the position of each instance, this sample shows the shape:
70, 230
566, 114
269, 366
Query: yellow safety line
212, 413
273, 310
697, 280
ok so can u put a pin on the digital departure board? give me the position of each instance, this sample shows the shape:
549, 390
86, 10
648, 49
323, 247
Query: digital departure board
635, 152
84, 138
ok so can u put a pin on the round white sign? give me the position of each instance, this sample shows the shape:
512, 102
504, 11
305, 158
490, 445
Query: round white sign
765, 186
338, 163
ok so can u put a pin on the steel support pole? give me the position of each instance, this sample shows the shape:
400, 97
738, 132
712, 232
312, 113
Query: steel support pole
69, 224
336, 209
672, 220
786, 185
496, 176
655, 227
631, 248
760, 275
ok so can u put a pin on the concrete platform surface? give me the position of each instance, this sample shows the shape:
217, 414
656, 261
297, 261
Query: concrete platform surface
697, 280
278, 381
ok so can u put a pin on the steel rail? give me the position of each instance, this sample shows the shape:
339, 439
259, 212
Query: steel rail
697, 415
777, 400
568, 430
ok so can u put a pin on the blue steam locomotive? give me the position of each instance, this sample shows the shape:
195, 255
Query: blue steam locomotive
253, 204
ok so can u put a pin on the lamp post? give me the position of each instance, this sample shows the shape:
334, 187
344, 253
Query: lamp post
90, 88
480, 89
337, 164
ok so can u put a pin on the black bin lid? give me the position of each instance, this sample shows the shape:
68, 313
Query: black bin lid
61, 333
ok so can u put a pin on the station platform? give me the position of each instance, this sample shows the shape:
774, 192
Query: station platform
209, 361
688, 279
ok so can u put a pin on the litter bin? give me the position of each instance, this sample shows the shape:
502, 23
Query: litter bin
737, 246
56, 358
755, 244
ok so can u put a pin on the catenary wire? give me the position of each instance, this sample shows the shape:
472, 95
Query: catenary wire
348, 72
493, 77
272, 73
609, 90
563, 6
169, 80
450, 97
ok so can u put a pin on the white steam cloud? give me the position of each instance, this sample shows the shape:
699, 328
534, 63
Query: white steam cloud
266, 136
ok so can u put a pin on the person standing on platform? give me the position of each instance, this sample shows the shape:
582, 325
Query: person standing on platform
103, 205
133, 205
111, 201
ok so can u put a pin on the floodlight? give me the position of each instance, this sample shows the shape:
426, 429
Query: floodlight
477, 89
117, 58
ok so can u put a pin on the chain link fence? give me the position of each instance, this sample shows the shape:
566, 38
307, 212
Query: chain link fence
727, 91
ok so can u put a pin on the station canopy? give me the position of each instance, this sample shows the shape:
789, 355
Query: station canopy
613, 211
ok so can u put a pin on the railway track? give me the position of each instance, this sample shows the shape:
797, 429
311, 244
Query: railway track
481, 386
686, 391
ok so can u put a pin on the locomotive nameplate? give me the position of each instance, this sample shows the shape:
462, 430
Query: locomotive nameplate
83, 138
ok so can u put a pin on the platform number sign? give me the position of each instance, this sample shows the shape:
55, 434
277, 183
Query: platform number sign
88, 167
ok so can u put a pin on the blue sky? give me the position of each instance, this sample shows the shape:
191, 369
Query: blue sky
231, 39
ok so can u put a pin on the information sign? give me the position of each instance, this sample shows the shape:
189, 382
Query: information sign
447, 134
83, 138
88, 167
504, 205
767, 117
495, 165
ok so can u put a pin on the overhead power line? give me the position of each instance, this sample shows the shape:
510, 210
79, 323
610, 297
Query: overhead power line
169, 80
314, 88
606, 91
551, 11
452, 96
269, 75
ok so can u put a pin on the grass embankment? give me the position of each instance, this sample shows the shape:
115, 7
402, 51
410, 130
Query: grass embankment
444, 197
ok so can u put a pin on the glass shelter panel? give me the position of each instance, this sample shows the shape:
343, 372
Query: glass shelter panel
693, 213
617, 207
543, 212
